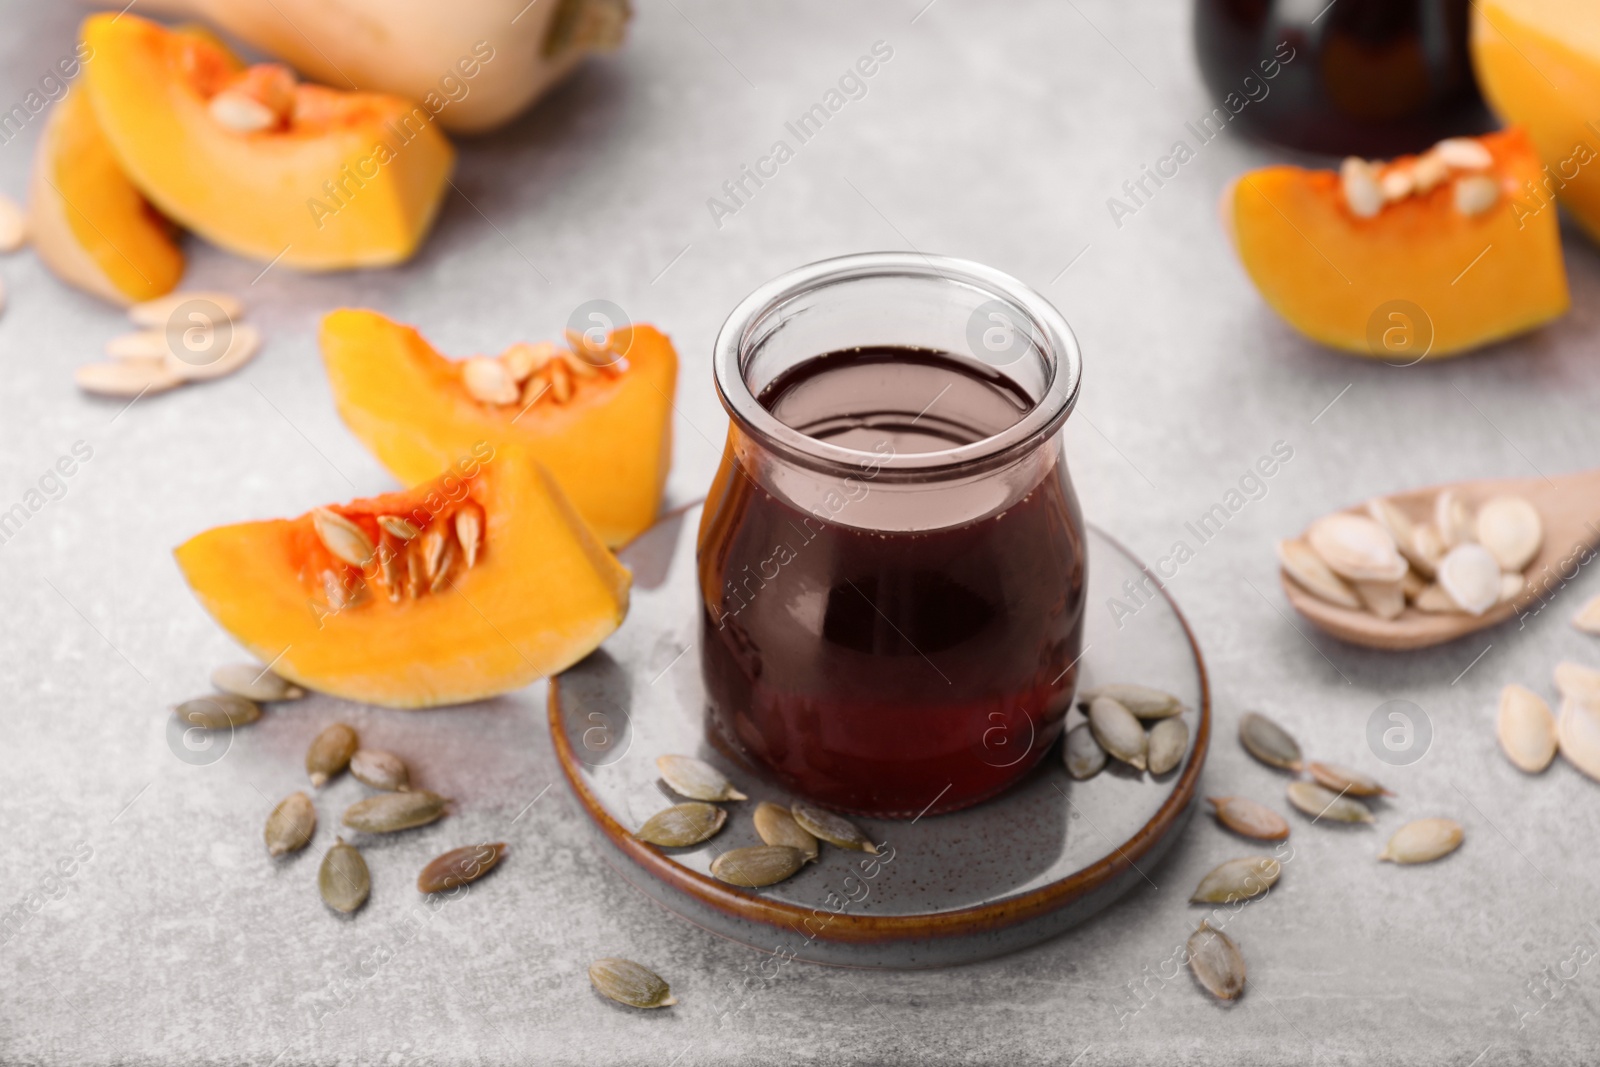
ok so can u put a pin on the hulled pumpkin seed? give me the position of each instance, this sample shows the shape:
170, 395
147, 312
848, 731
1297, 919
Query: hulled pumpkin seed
1244, 816
831, 828
380, 769
1526, 729
1346, 781
1422, 841
1237, 880
1320, 803
254, 682
330, 753
217, 711
682, 825
777, 826
758, 865
696, 779
1269, 742
388, 812
630, 983
343, 878
291, 824
1168, 742
1118, 731
459, 866
1216, 962
1143, 701
1082, 753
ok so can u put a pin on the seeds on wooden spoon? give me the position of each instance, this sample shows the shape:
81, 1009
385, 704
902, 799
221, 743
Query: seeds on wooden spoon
831, 828
1082, 753
777, 826
1143, 701
758, 865
682, 825
1436, 601
389, 812
1244, 816
346, 540
1578, 682
330, 753
1427, 549
343, 878
380, 769
1413, 584
1216, 962
1320, 803
630, 983
1588, 617
217, 711
1510, 528
291, 825
1526, 729
1510, 587
1386, 600
1578, 729
696, 779
1422, 841
1268, 742
1471, 576
1237, 879
458, 867
1344, 780
1452, 519
1357, 548
254, 682
1168, 742
1118, 732
1313, 575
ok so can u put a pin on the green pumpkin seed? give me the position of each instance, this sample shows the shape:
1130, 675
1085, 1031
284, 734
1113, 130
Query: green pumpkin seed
1216, 962
459, 866
330, 753
1246, 817
344, 879
696, 779
380, 770
777, 826
831, 828
218, 711
1268, 742
758, 865
1422, 841
254, 682
1168, 743
682, 825
1237, 880
388, 812
291, 825
1141, 700
1344, 780
1320, 803
1082, 753
630, 983
1118, 731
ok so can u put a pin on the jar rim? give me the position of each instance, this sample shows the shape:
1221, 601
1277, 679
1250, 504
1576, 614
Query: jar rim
1051, 334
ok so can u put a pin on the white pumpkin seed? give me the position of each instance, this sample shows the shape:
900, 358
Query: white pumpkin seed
1314, 576
1244, 816
1118, 731
1427, 549
1397, 184
630, 983
243, 343
1578, 730
447, 560
776, 825
1237, 879
831, 828
1355, 547
13, 225
1452, 519
380, 769
1386, 600
388, 812
1320, 803
126, 377
1428, 171
291, 825
1216, 962
1463, 153
1476, 194
1436, 601
343, 878
489, 381
758, 865
1362, 193
1511, 586
1578, 682
1346, 781
682, 825
1510, 528
343, 538
469, 531
1167, 745
401, 528
254, 682
523, 358
240, 112
141, 344
1413, 584
1082, 753
1143, 701
696, 779
1471, 576
218, 711
1391, 518
1422, 841
1588, 617
432, 545
1268, 742
330, 753
156, 313
1526, 729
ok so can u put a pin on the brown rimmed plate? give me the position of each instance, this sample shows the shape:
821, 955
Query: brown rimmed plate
944, 889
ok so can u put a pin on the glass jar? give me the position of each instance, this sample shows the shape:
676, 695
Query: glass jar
892, 573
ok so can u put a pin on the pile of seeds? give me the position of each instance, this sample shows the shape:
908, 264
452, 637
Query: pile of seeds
526, 374
1458, 561
406, 558
1115, 728
343, 878
145, 361
1531, 736
1369, 186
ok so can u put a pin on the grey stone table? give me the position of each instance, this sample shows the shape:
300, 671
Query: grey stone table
995, 132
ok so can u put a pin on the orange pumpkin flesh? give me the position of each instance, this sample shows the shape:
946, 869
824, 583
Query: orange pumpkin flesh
609, 444
540, 595
1477, 278
343, 180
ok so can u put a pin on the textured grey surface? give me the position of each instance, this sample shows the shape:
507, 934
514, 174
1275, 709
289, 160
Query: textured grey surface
997, 133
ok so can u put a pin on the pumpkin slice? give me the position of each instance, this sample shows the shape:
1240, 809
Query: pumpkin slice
1437, 265
601, 423
1538, 62
89, 224
474, 584
260, 164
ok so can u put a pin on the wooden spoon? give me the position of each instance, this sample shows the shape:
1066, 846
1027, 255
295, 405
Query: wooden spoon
1570, 509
